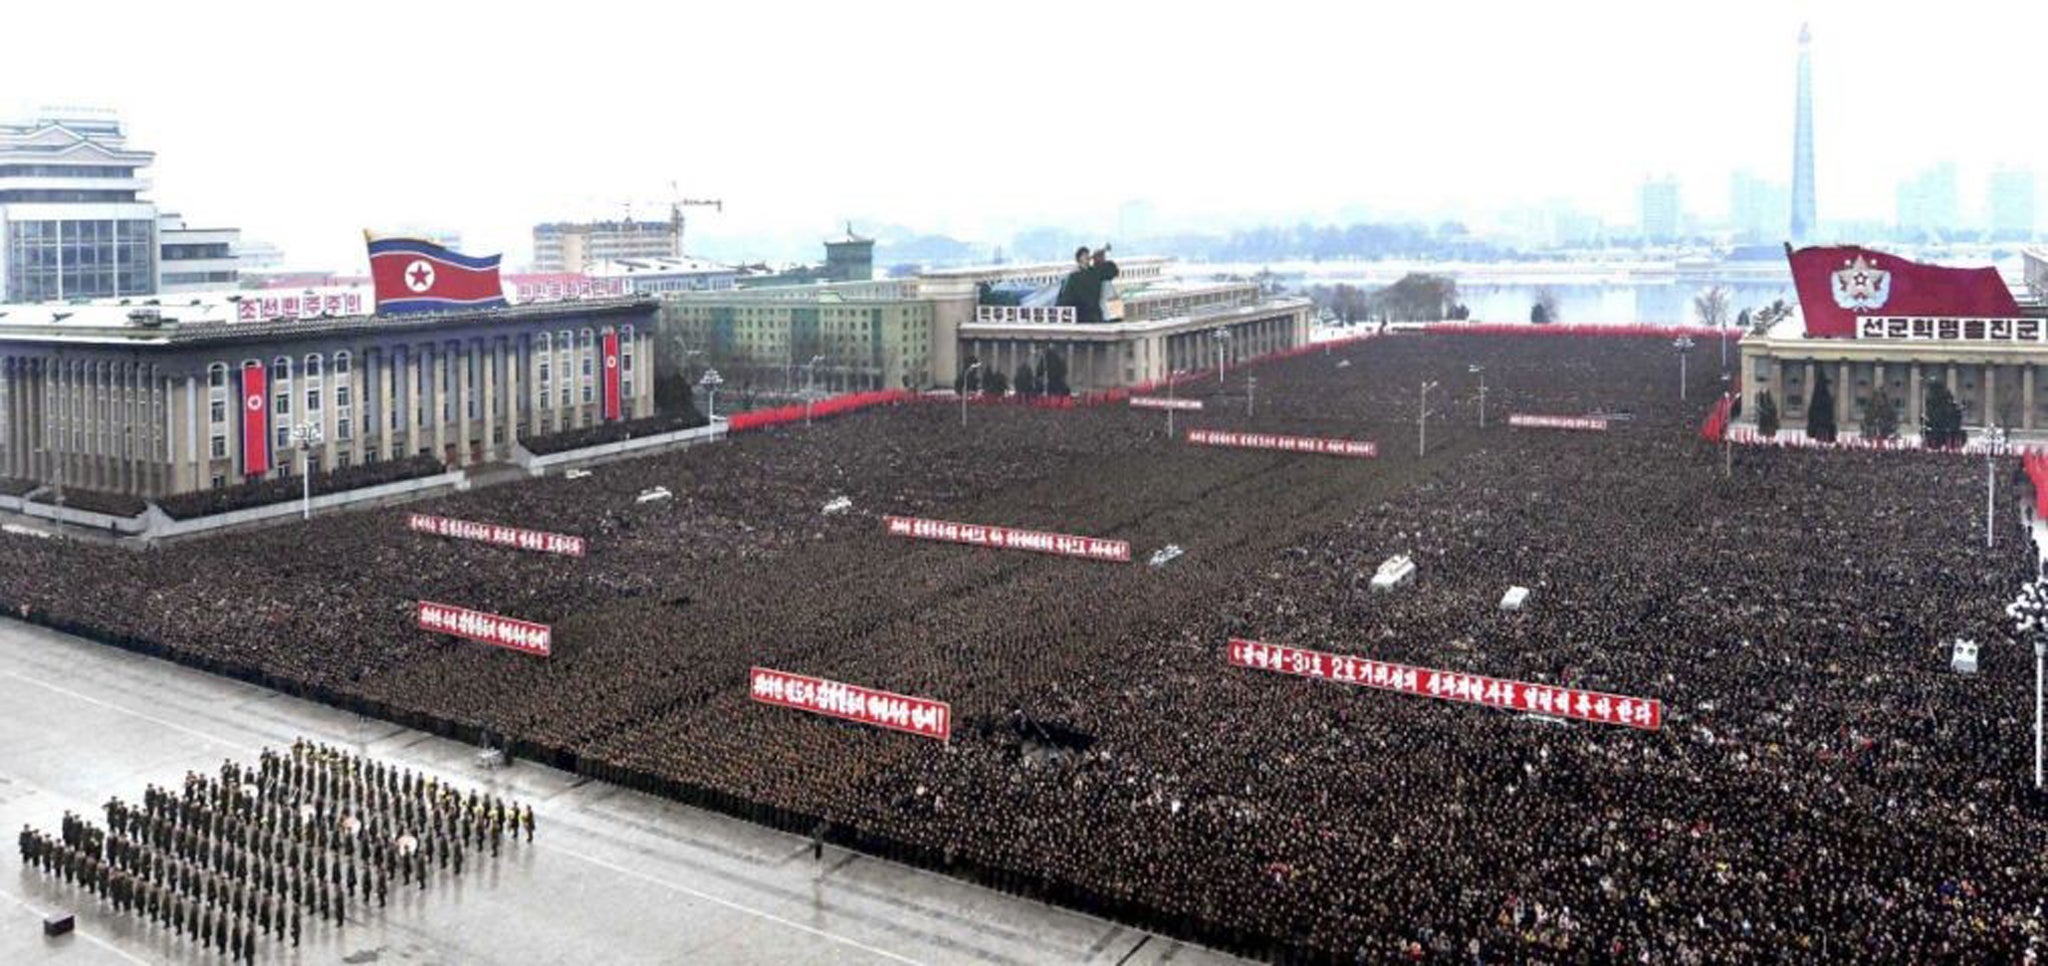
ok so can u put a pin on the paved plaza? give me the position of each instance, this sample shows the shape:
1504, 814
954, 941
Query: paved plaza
613, 876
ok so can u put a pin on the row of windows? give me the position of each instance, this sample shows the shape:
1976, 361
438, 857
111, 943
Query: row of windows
281, 367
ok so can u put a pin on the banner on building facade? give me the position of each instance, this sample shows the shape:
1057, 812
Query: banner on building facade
309, 303
611, 374
1557, 422
1161, 402
493, 629
255, 420
557, 286
1574, 703
539, 541
1060, 544
882, 709
1288, 444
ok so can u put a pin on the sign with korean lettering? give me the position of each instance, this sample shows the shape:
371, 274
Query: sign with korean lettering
1557, 422
538, 541
557, 286
493, 629
1574, 703
311, 303
1161, 402
897, 712
1289, 444
1061, 544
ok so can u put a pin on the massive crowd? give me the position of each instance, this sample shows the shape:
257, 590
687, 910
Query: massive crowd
1823, 787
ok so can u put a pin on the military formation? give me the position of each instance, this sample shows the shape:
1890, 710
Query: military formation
251, 854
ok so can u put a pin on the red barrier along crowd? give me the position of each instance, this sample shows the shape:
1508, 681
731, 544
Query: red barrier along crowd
1573, 703
1629, 331
833, 406
2037, 474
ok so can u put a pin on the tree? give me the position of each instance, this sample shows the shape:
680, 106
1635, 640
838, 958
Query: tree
1055, 366
1881, 418
1941, 420
1544, 311
1766, 414
1418, 297
1025, 380
1712, 307
1820, 410
994, 383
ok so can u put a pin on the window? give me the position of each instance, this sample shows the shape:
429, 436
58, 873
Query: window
284, 404
280, 369
341, 363
217, 376
220, 411
540, 343
342, 430
341, 396
220, 482
313, 366
341, 460
284, 438
220, 447
312, 399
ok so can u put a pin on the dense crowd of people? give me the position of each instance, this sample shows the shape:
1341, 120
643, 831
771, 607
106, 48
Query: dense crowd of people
231, 861
1823, 787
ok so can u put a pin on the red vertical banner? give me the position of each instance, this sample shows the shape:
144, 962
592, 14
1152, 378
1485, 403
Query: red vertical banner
255, 422
611, 373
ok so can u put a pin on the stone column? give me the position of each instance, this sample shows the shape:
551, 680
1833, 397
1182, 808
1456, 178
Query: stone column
1913, 390
2027, 393
487, 360
1844, 399
436, 398
1955, 390
513, 382
1990, 393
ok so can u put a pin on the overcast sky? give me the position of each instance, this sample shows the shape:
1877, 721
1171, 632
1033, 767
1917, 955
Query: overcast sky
306, 122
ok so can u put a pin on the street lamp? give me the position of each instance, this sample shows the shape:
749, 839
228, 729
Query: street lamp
810, 377
1480, 371
2029, 613
1684, 345
306, 436
1422, 421
972, 369
711, 381
1994, 440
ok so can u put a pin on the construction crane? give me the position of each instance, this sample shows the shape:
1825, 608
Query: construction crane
675, 212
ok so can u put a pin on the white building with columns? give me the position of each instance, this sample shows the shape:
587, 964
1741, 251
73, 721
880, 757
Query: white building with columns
144, 400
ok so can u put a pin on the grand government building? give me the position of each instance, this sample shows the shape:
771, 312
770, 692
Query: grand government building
1993, 365
145, 400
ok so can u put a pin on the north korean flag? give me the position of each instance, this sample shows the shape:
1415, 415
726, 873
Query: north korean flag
255, 421
413, 275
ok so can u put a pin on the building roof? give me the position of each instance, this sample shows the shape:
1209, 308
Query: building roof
202, 320
685, 265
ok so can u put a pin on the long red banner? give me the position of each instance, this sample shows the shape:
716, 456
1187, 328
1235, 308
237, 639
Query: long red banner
536, 540
1557, 422
1574, 703
493, 629
255, 421
883, 709
1161, 402
1065, 545
611, 374
1292, 444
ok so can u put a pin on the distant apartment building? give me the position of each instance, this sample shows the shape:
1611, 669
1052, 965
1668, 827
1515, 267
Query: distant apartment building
1658, 210
577, 247
1930, 202
1756, 208
196, 259
2009, 203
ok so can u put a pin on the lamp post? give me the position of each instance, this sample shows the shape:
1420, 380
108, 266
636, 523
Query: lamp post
2029, 613
1727, 431
1994, 440
965, 377
306, 436
711, 381
1684, 345
1480, 371
1422, 421
810, 377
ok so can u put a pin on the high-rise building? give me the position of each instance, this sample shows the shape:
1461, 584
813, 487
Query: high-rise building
2009, 204
1929, 202
196, 259
1756, 207
1803, 206
577, 246
71, 221
1660, 219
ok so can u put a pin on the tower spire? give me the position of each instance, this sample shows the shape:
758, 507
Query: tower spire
1803, 206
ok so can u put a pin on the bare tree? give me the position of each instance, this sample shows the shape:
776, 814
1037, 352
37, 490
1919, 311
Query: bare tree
1712, 307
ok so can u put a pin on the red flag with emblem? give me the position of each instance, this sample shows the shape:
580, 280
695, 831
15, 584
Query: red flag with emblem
611, 373
255, 422
1837, 285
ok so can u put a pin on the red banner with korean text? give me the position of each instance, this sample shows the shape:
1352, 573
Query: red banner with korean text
1593, 423
611, 374
882, 709
1162, 402
1289, 444
539, 541
1577, 704
1061, 544
255, 420
499, 631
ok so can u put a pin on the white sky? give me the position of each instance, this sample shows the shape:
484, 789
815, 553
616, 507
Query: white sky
305, 122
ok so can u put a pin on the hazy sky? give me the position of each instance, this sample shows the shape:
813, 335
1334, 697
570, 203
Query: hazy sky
305, 122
